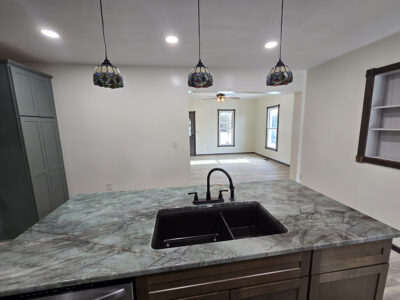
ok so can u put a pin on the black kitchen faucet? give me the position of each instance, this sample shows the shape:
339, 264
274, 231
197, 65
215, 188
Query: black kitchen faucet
220, 196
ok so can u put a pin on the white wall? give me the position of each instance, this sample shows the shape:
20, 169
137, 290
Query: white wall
285, 126
296, 129
134, 137
333, 107
207, 122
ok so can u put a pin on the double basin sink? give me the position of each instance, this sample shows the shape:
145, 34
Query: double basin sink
198, 225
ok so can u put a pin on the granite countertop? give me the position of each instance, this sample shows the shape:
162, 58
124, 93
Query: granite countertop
107, 236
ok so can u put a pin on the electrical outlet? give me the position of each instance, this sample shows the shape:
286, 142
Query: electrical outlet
108, 187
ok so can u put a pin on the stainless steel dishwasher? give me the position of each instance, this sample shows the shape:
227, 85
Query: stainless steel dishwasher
113, 292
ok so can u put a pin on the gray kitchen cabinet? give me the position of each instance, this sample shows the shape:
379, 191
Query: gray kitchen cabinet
24, 93
44, 96
55, 164
32, 175
33, 138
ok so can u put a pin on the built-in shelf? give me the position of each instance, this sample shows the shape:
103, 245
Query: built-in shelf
385, 129
380, 128
385, 106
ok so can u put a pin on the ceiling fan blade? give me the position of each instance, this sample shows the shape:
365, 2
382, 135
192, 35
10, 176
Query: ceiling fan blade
208, 98
232, 97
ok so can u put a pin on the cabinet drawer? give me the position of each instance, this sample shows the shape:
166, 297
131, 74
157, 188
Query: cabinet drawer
356, 284
234, 275
348, 257
224, 295
295, 289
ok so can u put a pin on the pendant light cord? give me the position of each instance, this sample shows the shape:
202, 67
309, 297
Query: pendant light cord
280, 43
102, 24
198, 24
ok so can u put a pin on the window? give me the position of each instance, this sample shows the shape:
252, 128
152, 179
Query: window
226, 127
271, 140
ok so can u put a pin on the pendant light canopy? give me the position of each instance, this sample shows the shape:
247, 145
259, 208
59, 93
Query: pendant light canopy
106, 75
280, 74
200, 77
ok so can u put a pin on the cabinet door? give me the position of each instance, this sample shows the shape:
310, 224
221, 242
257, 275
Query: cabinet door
295, 289
24, 92
54, 161
44, 96
224, 295
31, 129
356, 284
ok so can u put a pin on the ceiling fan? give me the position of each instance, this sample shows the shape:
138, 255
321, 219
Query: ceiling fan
220, 97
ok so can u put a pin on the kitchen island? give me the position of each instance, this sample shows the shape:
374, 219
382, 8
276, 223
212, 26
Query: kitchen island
106, 237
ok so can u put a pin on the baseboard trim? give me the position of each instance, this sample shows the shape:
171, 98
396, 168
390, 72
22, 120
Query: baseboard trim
226, 153
396, 248
278, 161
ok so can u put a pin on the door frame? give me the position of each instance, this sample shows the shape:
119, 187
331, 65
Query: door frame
194, 131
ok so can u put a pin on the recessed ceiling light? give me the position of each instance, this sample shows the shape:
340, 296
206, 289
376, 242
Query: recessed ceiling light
274, 93
271, 44
171, 39
50, 33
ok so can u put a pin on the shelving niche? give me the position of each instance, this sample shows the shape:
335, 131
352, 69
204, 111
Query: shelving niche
380, 128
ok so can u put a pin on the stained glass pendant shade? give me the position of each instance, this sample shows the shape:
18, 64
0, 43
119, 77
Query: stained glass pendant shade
200, 76
280, 74
106, 75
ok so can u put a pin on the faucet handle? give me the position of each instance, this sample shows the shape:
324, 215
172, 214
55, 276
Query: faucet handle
220, 197
196, 198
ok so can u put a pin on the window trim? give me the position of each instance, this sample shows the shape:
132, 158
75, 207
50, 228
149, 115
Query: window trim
277, 128
234, 129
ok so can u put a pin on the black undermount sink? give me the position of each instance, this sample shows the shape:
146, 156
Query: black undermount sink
223, 222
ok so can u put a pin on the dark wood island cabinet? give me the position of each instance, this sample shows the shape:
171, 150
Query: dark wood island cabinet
355, 272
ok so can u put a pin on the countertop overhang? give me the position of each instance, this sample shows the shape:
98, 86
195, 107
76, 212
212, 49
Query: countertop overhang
107, 236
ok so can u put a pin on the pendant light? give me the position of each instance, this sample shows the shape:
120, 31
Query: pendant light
280, 74
106, 75
200, 77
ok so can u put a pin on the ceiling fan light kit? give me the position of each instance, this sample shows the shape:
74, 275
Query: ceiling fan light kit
106, 75
280, 74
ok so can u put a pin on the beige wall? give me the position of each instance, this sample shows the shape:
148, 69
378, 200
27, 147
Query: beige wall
206, 125
333, 106
285, 126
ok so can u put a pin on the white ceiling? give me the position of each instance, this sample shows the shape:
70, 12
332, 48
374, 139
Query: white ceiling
233, 31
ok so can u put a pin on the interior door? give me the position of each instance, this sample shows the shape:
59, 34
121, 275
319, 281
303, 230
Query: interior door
192, 132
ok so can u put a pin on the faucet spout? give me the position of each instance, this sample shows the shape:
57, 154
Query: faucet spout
231, 187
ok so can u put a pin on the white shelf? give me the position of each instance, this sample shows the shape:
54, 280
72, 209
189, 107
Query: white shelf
385, 129
385, 106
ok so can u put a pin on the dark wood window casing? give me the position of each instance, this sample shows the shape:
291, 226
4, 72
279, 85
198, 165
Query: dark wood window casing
379, 141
